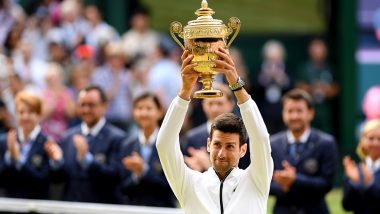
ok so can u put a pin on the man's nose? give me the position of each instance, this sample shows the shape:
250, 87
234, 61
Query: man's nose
222, 153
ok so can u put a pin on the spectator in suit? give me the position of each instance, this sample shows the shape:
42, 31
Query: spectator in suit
196, 156
144, 182
90, 164
24, 164
305, 159
362, 182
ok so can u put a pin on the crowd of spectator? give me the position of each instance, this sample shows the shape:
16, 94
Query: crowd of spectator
81, 106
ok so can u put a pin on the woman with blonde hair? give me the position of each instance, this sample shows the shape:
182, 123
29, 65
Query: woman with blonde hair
24, 164
362, 183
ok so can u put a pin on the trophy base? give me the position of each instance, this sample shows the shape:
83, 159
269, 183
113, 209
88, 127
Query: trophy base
207, 94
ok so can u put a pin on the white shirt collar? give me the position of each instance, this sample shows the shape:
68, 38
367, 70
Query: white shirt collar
302, 139
372, 165
208, 124
152, 138
32, 135
94, 131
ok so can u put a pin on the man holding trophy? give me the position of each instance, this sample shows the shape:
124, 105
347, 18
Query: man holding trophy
223, 188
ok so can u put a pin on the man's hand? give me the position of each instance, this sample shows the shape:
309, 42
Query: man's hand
189, 75
226, 65
81, 145
351, 170
286, 177
53, 150
198, 160
13, 146
134, 163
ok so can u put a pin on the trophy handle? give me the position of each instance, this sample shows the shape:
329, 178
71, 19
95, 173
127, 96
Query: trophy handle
233, 24
176, 28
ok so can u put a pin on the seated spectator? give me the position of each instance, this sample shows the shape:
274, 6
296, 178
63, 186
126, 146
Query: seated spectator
362, 181
144, 182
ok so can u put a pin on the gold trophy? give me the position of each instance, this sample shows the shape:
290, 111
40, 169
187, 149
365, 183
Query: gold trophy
202, 37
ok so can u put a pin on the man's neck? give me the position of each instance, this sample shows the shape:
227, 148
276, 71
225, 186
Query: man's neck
223, 175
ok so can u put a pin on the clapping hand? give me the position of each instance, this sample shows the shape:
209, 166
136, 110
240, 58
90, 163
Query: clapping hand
81, 145
13, 146
53, 150
134, 163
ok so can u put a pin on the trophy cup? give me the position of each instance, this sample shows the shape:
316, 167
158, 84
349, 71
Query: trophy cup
202, 37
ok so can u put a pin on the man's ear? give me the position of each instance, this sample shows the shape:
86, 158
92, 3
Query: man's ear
243, 150
208, 144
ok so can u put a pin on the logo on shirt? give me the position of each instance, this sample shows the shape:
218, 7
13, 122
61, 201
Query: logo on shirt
36, 160
311, 166
100, 158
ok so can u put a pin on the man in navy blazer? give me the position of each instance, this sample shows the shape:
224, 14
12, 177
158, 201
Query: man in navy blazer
305, 159
90, 164
194, 148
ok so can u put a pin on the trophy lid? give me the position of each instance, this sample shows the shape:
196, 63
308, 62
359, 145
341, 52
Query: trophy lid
205, 26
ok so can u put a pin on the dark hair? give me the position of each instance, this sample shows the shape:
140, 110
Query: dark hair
102, 94
230, 123
299, 94
147, 95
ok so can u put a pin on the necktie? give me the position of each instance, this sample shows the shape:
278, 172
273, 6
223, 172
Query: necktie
295, 150
90, 138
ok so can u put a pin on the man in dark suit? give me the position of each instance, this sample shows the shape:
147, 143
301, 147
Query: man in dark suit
90, 164
196, 156
305, 159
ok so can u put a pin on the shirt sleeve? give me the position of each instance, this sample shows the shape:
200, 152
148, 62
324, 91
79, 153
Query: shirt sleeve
168, 147
261, 168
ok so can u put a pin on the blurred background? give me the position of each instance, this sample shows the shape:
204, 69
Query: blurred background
341, 36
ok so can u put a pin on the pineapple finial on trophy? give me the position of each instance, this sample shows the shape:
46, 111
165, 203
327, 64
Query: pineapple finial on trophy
202, 37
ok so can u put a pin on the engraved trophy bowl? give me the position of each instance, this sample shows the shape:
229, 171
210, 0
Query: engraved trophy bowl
202, 37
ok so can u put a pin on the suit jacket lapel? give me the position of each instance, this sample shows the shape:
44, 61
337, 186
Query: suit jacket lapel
309, 145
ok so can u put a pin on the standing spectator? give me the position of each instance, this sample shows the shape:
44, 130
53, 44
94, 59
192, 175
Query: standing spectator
305, 159
58, 106
273, 81
144, 182
316, 77
140, 39
24, 164
114, 79
90, 165
362, 182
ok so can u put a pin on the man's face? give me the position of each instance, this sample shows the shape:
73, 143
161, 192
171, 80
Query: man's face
225, 151
214, 107
296, 115
90, 106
